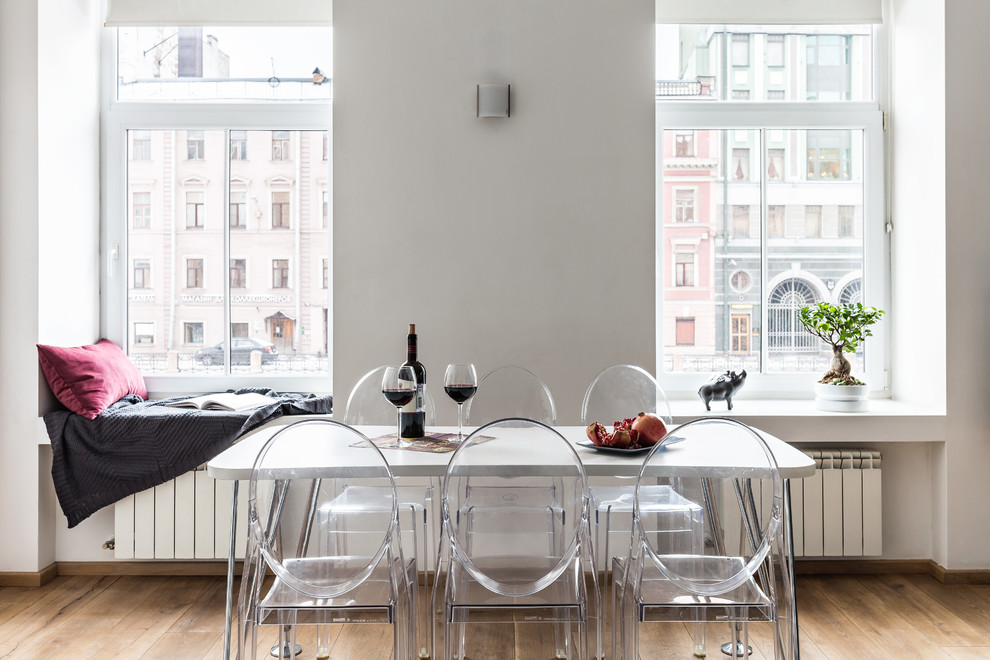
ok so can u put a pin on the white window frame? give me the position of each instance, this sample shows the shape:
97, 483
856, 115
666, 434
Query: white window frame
116, 119
679, 115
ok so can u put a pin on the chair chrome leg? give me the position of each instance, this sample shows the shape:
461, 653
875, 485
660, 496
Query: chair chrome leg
286, 650
740, 651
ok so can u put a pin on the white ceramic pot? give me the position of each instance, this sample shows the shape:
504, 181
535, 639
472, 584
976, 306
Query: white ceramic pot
841, 398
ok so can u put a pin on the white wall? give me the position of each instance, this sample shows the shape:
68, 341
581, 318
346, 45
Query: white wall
967, 139
526, 240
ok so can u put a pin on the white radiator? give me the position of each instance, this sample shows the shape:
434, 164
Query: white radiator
837, 512
186, 518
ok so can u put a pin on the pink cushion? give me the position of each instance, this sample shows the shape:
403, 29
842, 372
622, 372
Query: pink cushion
87, 379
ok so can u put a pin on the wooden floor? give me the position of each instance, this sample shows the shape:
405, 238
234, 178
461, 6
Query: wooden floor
854, 617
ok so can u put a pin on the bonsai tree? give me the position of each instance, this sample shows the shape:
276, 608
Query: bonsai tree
842, 327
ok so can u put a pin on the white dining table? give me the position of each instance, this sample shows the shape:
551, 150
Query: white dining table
236, 463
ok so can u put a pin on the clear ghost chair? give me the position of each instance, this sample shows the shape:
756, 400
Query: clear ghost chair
511, 557
618, 392
310, 561
367, 406
510, 392
732, 578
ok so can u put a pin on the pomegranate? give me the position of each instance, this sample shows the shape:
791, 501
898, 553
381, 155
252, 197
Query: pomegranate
623, 435
650, 427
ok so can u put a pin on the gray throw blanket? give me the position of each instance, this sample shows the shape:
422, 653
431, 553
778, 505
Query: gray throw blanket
136, 444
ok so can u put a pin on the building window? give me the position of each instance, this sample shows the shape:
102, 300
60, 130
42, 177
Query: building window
739, 172
684, 205
786, 334
740, 281
142, 274
326, 273
144, 333
195, 145
740, 221
775, 50
236, 118
775, 164
326, 209
280, 210
684, 269
280, 145
238, 209
238, 273
684, 331
194, 273
238, 145
740, 164
812, 221
739, 333
740, 95
280, 273
141, 210
740, 50
192, 333
851, 293
847, 221
140, 145
195, 213
683, 145
775, 221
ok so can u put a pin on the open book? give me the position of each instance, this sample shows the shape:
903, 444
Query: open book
225, 401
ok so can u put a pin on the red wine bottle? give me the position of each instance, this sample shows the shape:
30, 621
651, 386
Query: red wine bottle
412, 416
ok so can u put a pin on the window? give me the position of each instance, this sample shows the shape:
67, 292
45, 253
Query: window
740, 50
280, 145
740, 164
280, 210
684, 205
775, 50
142, 274
684, 145
238, 273
739, 333
326, 273
684, 331
740, 221
212, 117
775, 221
280, 273
238, 145
326, 209
195, 145
812, 221
194, 273
775, 164
740, 95
195, 214
140, 145
847, 221
684, 269
192, 333
238, 209
144, 333
775, 190
141, 210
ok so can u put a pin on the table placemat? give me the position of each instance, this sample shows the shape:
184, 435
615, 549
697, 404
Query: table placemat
434, 443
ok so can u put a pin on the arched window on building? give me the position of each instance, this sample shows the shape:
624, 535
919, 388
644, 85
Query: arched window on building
852, 292
786, 334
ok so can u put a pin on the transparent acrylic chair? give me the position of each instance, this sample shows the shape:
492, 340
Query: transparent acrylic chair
310, 561
618, 392
367, 406
510, 392
732, 578
497, 560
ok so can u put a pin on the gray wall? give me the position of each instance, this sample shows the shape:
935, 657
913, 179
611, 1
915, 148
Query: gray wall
527, 240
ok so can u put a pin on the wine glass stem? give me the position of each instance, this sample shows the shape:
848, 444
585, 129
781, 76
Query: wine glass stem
398, 427
460, 420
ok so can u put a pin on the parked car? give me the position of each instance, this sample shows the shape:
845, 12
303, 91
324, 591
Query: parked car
240, 352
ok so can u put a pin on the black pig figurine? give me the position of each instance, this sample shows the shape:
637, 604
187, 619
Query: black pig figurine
722, 387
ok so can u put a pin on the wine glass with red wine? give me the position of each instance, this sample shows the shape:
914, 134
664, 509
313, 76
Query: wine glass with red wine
460, 382
399, 388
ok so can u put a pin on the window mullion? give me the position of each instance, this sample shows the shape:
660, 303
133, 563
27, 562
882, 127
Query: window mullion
764, 251
228, 339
